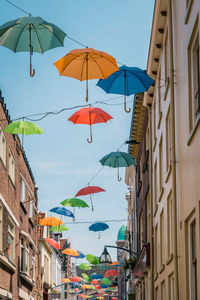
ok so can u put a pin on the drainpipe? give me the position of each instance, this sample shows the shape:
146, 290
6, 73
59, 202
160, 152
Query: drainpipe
151, 203
173, 150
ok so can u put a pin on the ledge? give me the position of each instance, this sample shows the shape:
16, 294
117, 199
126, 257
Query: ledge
162, 268
161, 193
155, 210
5, 293
154, 145
4, 260
159, 120
168, 173
193, 131
156, 276
169, 259
26, 277
189, 6
23, 207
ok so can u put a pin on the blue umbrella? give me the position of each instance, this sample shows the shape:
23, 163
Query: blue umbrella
62, 211
98, 227
127, 81
96, 276
81, 255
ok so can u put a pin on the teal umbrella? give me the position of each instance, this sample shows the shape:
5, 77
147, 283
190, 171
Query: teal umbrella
31, 34
117, 160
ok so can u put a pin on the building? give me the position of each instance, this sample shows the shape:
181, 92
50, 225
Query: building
66, 265
121, 256
19, 262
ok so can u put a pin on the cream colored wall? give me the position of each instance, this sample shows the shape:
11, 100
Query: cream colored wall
43, 252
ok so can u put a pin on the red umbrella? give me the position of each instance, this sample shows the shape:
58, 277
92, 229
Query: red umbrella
53, 243
88, 191
90, 115
76, 279
94, 281
97, 286
111, 273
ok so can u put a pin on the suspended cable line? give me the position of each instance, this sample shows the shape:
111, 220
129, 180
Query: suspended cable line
16, 6
91, 222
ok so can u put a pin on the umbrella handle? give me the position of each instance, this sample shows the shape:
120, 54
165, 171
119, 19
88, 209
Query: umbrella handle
127, 111
99, 236
118, 177
90, 141
32, 71
91, 203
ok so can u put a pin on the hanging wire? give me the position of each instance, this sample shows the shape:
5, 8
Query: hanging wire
95, 174
69, 37
91, 222
16, 6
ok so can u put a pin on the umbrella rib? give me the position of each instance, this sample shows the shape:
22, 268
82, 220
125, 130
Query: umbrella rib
19, 37
114, 78
45, 26
98, 65
38, 38
82, 68
138, 79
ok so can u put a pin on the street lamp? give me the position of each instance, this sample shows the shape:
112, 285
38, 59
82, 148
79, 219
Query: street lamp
105, 257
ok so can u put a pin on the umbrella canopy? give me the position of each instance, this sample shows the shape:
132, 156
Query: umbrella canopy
111, 273
81, 255
89, 190
84, 267
59, 228
96, 276
24, 128
117, 159
31, 34
86, 277
62, 211
76, 279
97, 286
85, 286
50, 221
91, 287
94, 260
69, 251
98, 227
126, 81
53, 243
66, 280
94, 281
74, 202
87, 63
90, 115
106, 281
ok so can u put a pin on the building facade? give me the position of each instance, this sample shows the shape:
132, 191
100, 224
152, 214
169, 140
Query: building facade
19, 262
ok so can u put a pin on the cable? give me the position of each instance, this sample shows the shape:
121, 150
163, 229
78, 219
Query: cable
76, 41
91, 222
18, 7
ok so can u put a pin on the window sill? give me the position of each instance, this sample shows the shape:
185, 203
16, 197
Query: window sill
162, 268
168, 173
23, 207
169, 259
161, 193
26, 277
154, 145
11, 182
159, 120
193, 131
189, 6
9, 264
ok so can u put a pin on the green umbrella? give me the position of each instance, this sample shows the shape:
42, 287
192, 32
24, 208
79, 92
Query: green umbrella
59, 228
91, 287
94, 260
24, 128
116, 160
31, 34
86, 277
106, 281
74, 202
84, 267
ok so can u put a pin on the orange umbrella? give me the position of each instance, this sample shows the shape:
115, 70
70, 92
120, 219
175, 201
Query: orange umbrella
50, 221
90, 115
114, 263
85, 286
87, 63
69, 251
66, 280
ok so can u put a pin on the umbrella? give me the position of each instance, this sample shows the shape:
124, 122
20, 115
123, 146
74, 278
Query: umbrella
87, 63
90, 115
74, 202
24, 128
76, 279
96, 276
91, 287
86, 277
62, 211
98, 227
81, 255
116, 160
106, 281
53, 243
111, 273
59, 228
31, 34
94, 281
126, 81
89, 190
85, 286
94, 260
84, 267
50, 221
97, 286
114, 263
69, 251
66, 280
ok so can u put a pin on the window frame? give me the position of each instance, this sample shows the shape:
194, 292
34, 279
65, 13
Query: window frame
11, 166
1, 227
3, 147
170, 240
11, 233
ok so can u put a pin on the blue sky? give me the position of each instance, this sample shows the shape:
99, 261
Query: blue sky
61, 159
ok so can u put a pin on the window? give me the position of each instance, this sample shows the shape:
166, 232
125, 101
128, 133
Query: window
159, 97
31, 205
162, 239
163, 290
2, 146
154, 119
166, 54
196, 78
193, 261
156, 250
33, 267
1, 227
171, 287
11, 240
168, 141
141, 231
11, 167
22, 258
155, 183
170, 225
27, 259
46, 268
161, 163
22, 191
148, 219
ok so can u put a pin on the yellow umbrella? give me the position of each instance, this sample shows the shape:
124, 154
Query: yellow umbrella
85, 286
69, 251
66, 280
50, 221
87, 63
